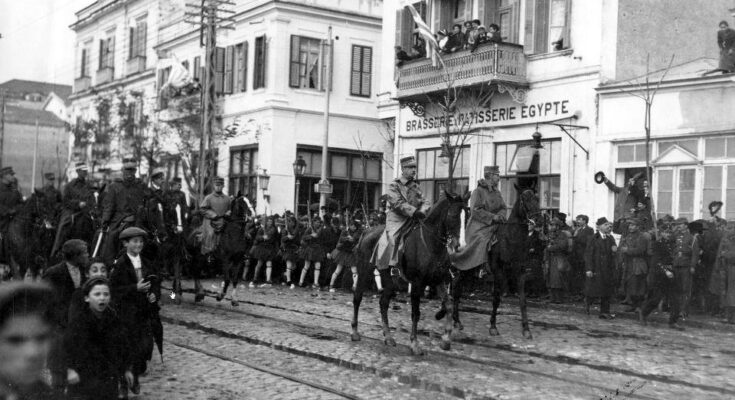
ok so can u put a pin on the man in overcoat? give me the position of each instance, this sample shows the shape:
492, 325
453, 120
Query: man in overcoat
63, 278
214, 206
10, 202
634, 249
404, 201
686, 258
661, 278
599, 261
487, 212
78, 197
581, 236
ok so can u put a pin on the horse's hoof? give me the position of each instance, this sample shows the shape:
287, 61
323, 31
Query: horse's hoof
494, 332
219, 297
198, 297
527, 335
440, 314
459, 326
356, 337
390, 342
445, 345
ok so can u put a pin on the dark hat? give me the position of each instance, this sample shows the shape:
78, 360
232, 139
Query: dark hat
714, 207
176, 180
6, 170
219, 180
696, 226
81, 166
22, 298
600, 177
157, 172
491, 169
681, 220
50, 176
409, 161
129, 163
562, 216
476, 21
132, 232
602, 221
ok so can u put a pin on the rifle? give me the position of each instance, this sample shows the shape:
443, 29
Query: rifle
308, 213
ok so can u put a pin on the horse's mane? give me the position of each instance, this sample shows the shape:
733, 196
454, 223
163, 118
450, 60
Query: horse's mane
435, 214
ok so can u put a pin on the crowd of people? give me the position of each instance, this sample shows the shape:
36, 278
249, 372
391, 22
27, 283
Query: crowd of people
462, 36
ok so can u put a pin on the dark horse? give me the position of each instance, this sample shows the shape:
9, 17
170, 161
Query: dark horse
425, 260
235, 241
512, 253
31, 234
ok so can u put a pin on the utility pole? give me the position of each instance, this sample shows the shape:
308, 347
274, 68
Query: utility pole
324, 187
35, 158
209, 21
2, 128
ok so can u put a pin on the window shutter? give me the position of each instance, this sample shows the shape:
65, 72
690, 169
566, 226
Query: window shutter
131, 42
219, 70
367, 71
356, 76
568, 26
528, 42
244, 68
399, 27
260, 62
101, 62
514, 21
229, 59
82, 64
196, 71
541, 31
111, 52
293, 76
142, 33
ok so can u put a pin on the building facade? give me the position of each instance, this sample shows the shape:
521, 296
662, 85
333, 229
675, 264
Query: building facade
543, 78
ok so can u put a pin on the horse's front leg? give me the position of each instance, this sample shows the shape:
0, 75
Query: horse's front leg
445, 292
356, 301
415, 316
455, 295
522, 301
384, 304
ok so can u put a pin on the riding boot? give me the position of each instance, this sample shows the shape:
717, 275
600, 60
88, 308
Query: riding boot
378, 282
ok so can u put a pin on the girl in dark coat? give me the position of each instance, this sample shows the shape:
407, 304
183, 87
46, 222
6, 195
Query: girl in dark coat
560, 242
265, 250
344, 254
599, 261
98, 350
135, 294
312, 251
290, 239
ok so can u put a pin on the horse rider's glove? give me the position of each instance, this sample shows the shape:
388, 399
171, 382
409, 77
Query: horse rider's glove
418, 214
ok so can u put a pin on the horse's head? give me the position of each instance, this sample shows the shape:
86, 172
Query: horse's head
446, 214
239, 208
528, 208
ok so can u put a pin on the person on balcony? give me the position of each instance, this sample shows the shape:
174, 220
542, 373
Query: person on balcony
456, 39
493, 34
726, 43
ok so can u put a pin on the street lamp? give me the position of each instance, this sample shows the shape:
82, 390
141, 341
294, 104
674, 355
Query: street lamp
298, 171
524, 155
263, 182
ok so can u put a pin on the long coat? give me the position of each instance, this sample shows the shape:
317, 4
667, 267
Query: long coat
725, 271
485, 202
634, 252
133, 307
62, 287
600, 260
580, 239
404, 198
556, 256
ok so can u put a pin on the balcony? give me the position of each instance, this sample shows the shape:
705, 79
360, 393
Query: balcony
104, 75
82, 83
502, 63
135, 65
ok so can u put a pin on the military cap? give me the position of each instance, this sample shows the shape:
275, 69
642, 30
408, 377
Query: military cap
22, 298
129, 163
132, 232
176, 180
681, 220
157, 172
409, 161
634, 221
602, 221
491, 169
219, 180
81, 166
6, 170
50, 176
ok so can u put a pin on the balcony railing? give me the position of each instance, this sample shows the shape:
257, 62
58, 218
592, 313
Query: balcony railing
82, 83
135, 64
183, 107
104, 75
490, 63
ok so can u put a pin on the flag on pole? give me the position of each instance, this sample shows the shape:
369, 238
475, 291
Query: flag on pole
425, 33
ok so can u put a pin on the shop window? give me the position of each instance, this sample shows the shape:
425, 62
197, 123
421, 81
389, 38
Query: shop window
690, 145
632, 153
544, 173
719, 148
433, 172
676, 192
339, 166
712, 190
243, 174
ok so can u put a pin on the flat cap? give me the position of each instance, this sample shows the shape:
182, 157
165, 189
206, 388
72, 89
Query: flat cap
81, 166
132, 232
130, 163
602, 221
409, 161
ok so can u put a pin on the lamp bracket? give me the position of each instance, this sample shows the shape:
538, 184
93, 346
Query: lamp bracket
563, 129
416, 108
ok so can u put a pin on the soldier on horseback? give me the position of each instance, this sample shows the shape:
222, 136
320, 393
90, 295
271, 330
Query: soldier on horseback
10, 200
77, 198
404, 201
121, 207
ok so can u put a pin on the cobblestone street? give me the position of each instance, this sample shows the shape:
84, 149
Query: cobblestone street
295, 344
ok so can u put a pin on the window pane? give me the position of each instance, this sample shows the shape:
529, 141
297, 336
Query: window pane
235, 160
730, 198
441, 167
357, 169
640, 152
663, 146
462, 185
690, 145
713, 177
510, 152
686, 179
427, 188
316, 164
421, 163
247, 165
731, 176
555, 157
731, 147
465, 170
545, 159
714, 148
339, 166
663, 204
373, 170
626, 153
549, 191
500, 158
430, 161
664, 180
686, 193
253, 161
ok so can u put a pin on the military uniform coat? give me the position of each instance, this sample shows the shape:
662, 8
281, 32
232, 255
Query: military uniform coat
214, 205
725, 270
556, 254
634, 249
402, 200
485, 203
123, 199
600, 260
75, 192
10, 199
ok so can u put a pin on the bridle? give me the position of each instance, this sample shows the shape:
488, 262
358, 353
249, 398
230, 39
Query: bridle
529, 216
